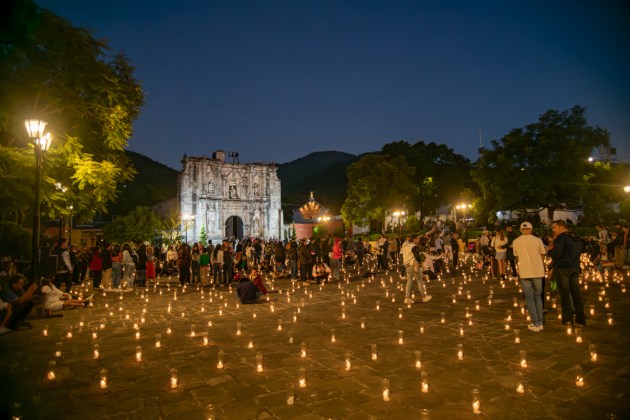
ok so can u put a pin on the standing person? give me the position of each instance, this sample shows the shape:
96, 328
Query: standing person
455, 249
448, 248
383, 245
228, 263
116, 267
499, 243
304, 257
257, 252
412, 260
140, 259
64, 265
150, 264
106, 255
128, 266
509, 256
565, 252
185, 259
292, 256
196, 267
84, 262
217, 263
360, 250
335, 261
74, 261
96, 268
530, 251
204, 266
393, 250
625, 246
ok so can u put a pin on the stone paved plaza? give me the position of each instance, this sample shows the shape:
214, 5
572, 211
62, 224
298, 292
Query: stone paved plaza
491, 358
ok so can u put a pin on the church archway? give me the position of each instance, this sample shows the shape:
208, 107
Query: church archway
234, 227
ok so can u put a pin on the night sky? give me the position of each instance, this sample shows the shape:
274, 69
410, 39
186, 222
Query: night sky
276, 80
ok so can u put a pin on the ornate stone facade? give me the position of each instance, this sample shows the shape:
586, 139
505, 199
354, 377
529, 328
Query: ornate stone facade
229, 199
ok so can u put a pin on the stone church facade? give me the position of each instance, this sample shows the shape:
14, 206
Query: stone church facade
229, 199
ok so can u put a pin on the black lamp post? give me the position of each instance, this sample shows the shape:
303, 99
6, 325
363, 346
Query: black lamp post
35, 129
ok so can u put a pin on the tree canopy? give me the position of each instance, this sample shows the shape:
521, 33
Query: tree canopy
61, 74
544, 165
138, 225
376, 184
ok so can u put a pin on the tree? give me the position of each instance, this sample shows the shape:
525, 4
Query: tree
203, 236
54, 71
544, 165
376, 184
440, 173
139, 225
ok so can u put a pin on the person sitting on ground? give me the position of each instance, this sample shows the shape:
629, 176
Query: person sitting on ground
280, 271
321, 272
21, 301
257, 280
56, 300
5, 316
247, 292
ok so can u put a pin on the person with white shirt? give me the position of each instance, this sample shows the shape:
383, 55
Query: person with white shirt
529, 251
56, 300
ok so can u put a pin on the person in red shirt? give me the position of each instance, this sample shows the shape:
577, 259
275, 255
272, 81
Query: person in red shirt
96, 268
256, 278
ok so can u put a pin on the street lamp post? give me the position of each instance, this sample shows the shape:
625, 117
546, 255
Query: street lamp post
464, 207
187, 217
35, 129
399, 215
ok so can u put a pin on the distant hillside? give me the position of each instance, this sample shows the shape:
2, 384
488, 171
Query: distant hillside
154, 182
324, 173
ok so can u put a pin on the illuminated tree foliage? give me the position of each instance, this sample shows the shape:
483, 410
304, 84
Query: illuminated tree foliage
139, 225
376, 184
544, 165
54, 71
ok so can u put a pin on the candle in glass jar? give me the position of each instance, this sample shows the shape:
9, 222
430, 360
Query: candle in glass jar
460, 352
220, 356
578, 335
517, 336
332, 336
45, 331
610, 318
579, 376
51, 371
95, 351
386, 391
103, 380
348, 363
138, 353
302, 377
418, 354
174, 379
303, 349
374, 352
592, 349
523, 357
259, 364
400, 337
424, 381
476, 402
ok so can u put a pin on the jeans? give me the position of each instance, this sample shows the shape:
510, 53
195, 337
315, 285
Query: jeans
335, 266
116, 274
532, 288
294, 268
412, 274
216, 271
196, 272
568, 286
129, 274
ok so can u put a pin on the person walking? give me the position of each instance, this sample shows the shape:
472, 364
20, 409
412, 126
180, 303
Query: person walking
412, 260
529, 251
565, 252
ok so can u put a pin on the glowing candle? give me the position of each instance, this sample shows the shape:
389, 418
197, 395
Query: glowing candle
69, 333
220, 355
400, 313
279, 324
302, 377
578, 335
523, 354
400, 336
422, 325
442, 318
461, 329
579, 376
138, 353
137, 335
259, 364
45, 331
303, 349
374, 352
520, 383
476, 402
467, 311
508, 315
460, 352
250, 343
169, 328
386, 391
592, 349
515, 302
332, 336
378, 305
418, 354
51, 371
569, 328
95, 351
362, 322
506, 324
610, 318
58, 350
174, 379
454, 298
348, 363
103, 380
343, 313
424, 381
291, 394
94, 333
517, 336
592, 310
158, 340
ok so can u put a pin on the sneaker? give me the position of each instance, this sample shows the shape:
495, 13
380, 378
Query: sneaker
409, 301
541, 327
4, 330
426, 298
534, 328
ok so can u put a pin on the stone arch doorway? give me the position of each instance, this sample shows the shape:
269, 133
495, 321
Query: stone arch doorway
234, 227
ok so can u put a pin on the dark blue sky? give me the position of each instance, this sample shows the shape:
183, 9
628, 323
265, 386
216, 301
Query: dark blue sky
276, 80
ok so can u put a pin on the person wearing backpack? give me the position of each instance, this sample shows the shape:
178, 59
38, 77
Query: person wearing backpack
412, 260
565, 252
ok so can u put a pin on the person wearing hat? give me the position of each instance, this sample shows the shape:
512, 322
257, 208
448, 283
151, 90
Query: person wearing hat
529, 251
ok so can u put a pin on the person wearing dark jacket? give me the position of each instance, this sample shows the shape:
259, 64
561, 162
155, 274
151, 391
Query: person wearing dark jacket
565, 252
246, 291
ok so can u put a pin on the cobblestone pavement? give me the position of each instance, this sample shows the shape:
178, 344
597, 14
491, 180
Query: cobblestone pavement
343, 379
